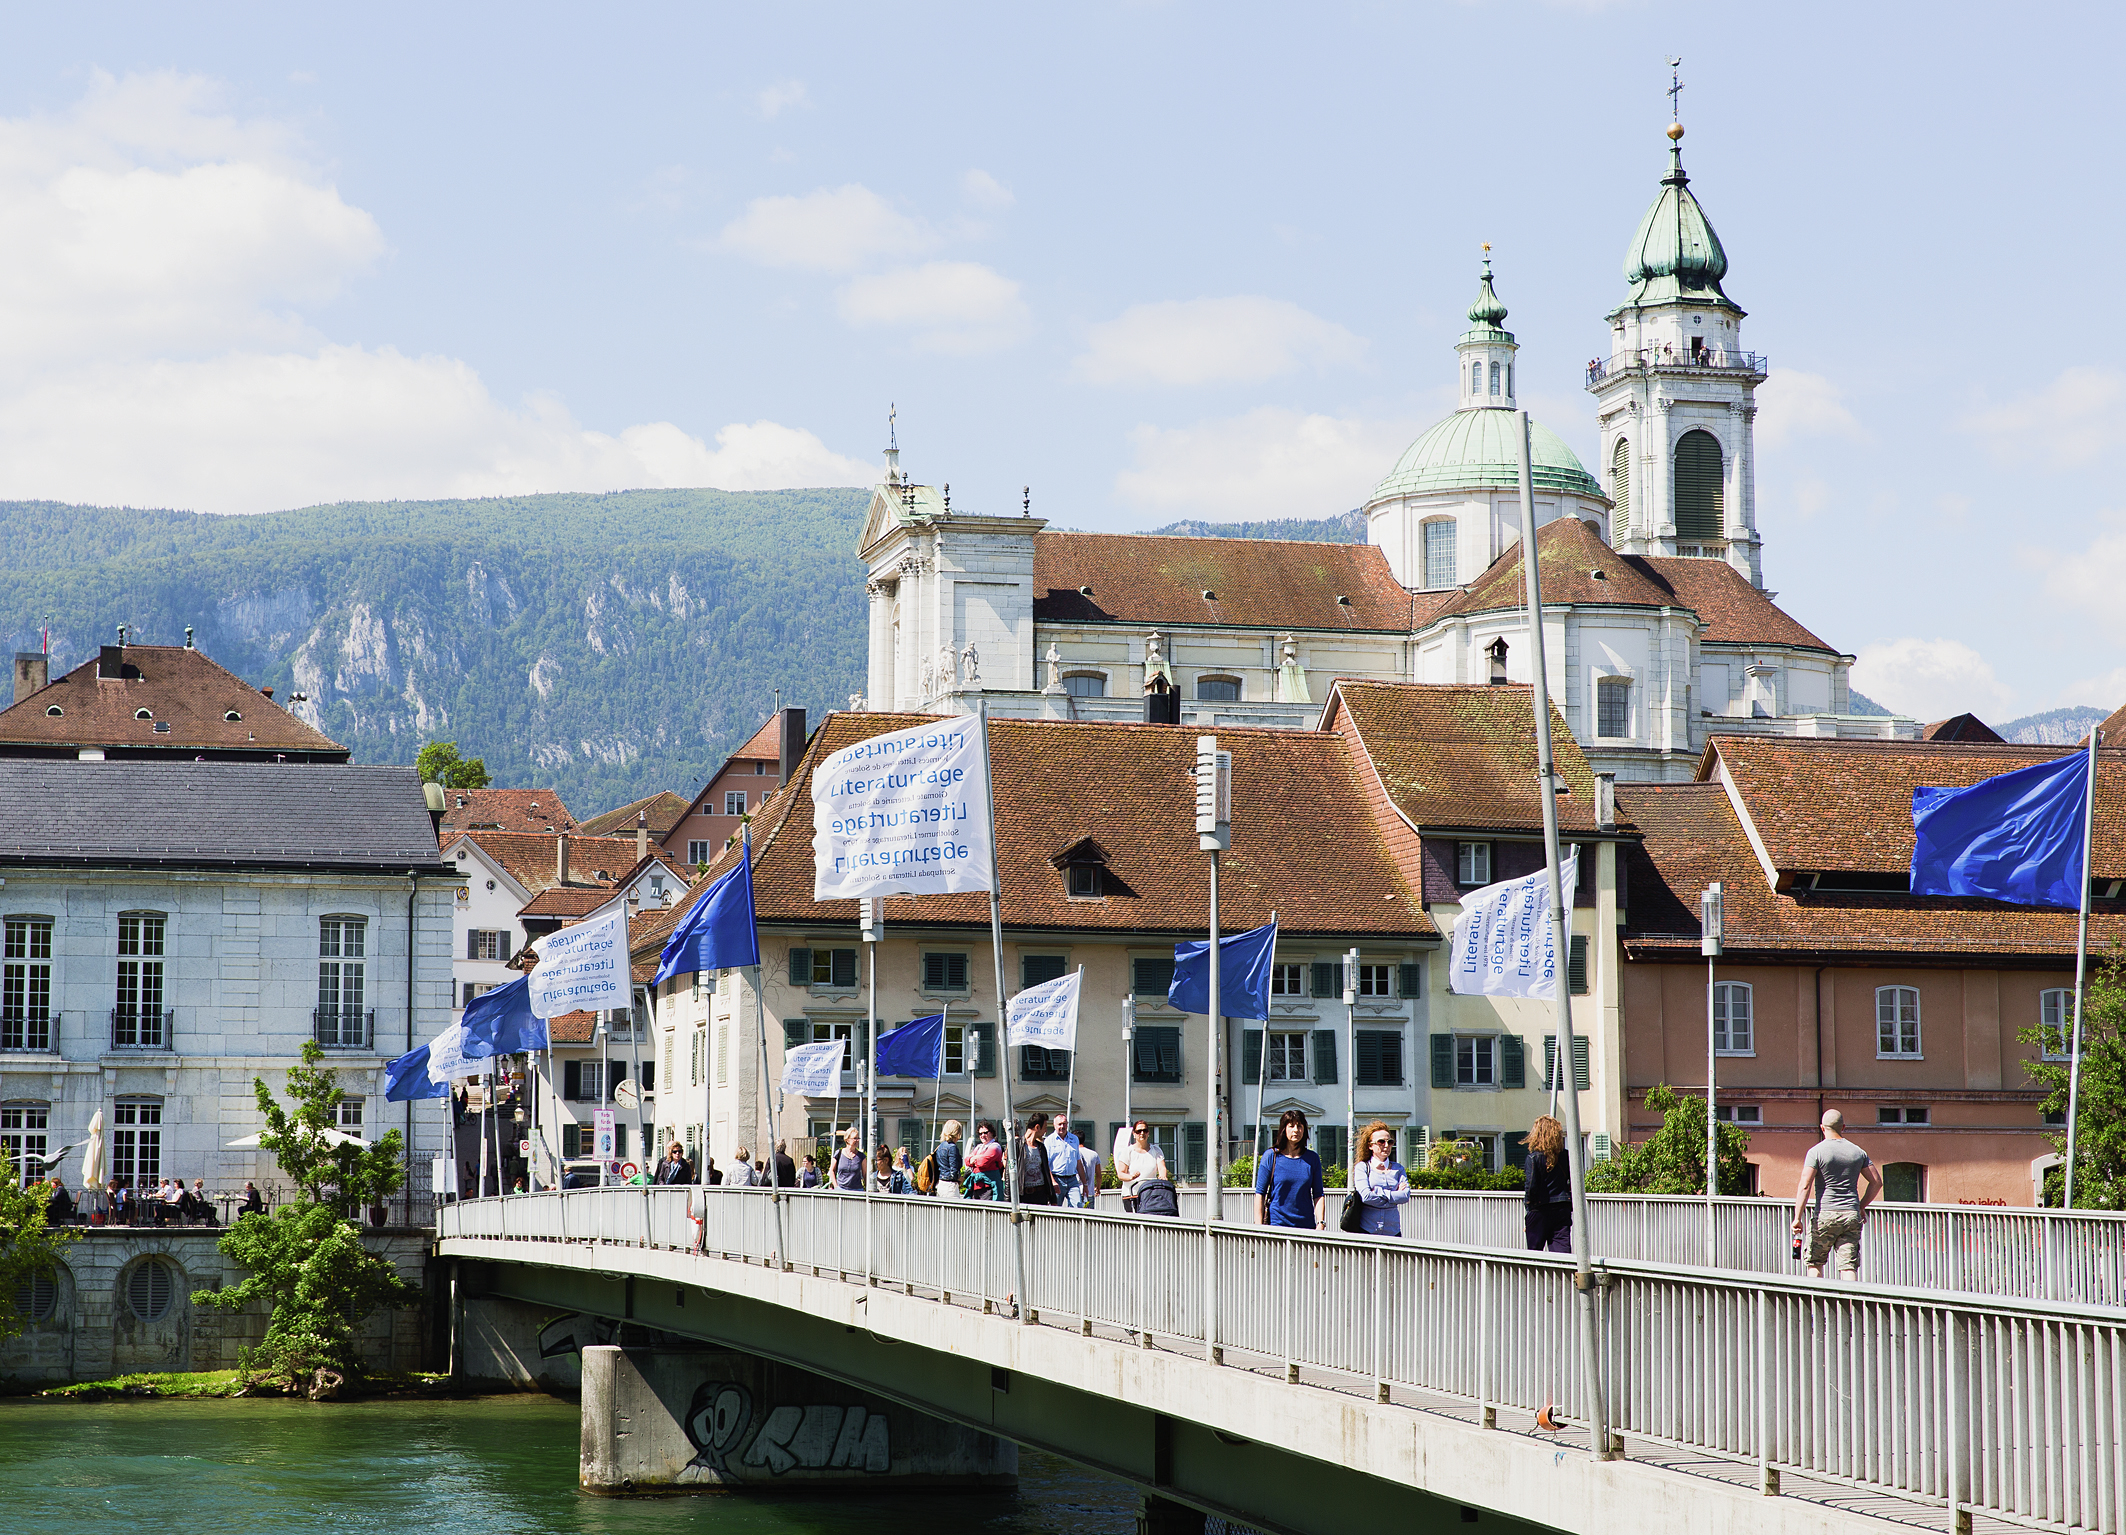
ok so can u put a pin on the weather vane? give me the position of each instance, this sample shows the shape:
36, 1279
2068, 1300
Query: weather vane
892, 413
1675, 89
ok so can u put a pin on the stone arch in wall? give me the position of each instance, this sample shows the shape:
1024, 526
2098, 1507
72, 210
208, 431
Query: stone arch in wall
151, 1315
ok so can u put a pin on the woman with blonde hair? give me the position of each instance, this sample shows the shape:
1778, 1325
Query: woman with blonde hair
1380, 1183
949, 1160
1546, 1198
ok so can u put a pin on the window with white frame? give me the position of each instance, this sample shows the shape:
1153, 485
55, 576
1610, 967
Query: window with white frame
1439, 552
1288, 981
487, 943
479, 989
141, 938
1218, 690
1287, 1055
25, 1136
1897, 1022
955, 1049
1733, 1025
1902, 1114
734, 802
590, 1082
1085, 684
26, 985
1739, 1113
1476, 1060
1498, 377
342, 947
698, 853
136, 1141
1472, 863
1376, 980
2055, 1011
1613, 707
347, 1116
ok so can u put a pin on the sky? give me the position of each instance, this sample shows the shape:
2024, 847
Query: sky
1138, 261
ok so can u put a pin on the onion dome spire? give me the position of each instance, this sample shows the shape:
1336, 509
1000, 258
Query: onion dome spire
1487, 310
1675, 256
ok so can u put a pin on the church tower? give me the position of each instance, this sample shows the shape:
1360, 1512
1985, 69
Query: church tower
1676, 398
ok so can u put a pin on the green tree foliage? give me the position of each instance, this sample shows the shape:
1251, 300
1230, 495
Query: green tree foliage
439, 762
298, 1137
309, 1264
1672, 1159
28, 1244
2100, 1123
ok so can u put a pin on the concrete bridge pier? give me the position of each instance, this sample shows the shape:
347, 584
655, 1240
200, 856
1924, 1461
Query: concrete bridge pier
1163, 1516
695, 1418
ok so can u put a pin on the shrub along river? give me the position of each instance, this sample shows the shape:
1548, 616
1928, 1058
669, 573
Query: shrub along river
505, 1465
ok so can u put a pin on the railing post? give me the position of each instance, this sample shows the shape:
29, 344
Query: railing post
1291, 1370
1144, 1283
1767, 1478
1487, 1415
1380, 1326
1085, 1272
1953, 1417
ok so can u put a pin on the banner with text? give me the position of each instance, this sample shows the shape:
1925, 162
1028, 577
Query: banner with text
814, 1069
902, 814
1047, 1014
1505, 942
583, 967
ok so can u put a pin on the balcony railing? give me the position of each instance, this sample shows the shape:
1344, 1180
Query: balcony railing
134, 1028
24, 1033
344, 1028
1703, 359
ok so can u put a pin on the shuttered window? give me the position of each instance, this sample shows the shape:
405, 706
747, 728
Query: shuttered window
150, 1288
1620, 493
1379, 1060
1324, 1052
1699, 510
1328, 978
1439, 552
1156, 1050
1576, 965
1580, 1078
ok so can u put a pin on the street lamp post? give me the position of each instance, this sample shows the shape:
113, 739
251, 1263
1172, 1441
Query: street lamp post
1214, 834
1711, 930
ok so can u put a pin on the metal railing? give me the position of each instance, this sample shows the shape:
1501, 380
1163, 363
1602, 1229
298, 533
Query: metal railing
343, 1028
29, 1033
1708, 359
2002, 1406
135, 1028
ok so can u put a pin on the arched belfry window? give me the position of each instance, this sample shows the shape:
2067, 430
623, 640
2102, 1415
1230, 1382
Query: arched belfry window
1699, 509
1476, 378
1498, 377
1620, 493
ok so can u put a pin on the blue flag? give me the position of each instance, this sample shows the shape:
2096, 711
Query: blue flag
914, 1049
2014, 837
501, 1022
718, 933
1243, 974
407, 1077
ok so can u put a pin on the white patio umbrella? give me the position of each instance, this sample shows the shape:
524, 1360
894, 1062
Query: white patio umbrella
95, 1161
332, 1137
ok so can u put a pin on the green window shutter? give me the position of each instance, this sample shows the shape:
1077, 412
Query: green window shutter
1327, 982
1599, 1147
1443, 1060
1513, 1063
1580, 1079
1365, 1058
1329, 1145
1250, 1056
1412, 978
1576, 965
796, 1031
1323, 1050
1516, 1148
1391, 1058
1620, 493
1698, 509
572, 1080
1037, 968
844, 967
1417, 1146
800, 967
1193, 1158
985, 1048
1151, 977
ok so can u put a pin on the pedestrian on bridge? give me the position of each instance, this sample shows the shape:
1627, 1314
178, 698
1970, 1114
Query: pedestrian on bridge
785, 1169
1066, 1161
849, 1163
949, 1161
1288, 1186
1546, 1191
1037, 1180
985, 1164
1139, 1163
675, 1168
1845, 1181
1381, 1184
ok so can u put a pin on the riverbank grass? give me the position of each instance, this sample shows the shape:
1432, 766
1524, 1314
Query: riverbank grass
198, 1385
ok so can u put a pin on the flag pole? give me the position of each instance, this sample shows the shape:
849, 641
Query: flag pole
868, 1096
1012, 1148
770, 1100
2081, 965
1562, 1071
1214, 834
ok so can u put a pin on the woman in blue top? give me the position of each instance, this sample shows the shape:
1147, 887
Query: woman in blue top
1288, 1188
1380, 1183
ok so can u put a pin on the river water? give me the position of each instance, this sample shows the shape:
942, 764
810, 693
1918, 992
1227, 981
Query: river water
487, 1466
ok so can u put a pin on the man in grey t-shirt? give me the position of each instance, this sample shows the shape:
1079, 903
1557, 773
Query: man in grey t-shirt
1844, 1182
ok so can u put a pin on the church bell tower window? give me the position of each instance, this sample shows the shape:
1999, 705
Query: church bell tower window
1439, 553
1699, 508
1620, 493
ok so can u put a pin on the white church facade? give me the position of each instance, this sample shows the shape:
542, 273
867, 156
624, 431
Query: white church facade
1657, 627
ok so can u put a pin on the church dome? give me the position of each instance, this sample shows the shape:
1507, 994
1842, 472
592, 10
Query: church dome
1475, 449
1675, 256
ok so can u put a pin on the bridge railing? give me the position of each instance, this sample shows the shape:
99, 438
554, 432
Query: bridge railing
2006, 1406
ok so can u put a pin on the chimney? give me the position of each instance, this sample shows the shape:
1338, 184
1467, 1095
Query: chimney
267, 691
110, 662
793, 741
32, 671
561, 859
1605, 802
642, 835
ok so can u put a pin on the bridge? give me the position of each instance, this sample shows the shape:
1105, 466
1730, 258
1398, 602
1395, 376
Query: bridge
1328, 1380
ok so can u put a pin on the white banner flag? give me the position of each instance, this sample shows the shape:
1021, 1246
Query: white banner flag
813, 1069
584, 966
447, 1060
902, 814
1047, 1014
1505, 942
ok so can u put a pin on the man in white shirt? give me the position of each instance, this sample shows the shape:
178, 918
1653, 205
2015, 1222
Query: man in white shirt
1066, 1160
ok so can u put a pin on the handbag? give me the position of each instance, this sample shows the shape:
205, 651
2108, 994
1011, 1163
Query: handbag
1354, 1212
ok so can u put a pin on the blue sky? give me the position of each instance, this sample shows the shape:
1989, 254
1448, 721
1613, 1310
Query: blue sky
1152, 260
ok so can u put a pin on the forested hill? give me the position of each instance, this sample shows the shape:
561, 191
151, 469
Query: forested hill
604, 645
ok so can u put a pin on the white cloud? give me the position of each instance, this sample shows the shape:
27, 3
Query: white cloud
158, 251
1267, 463
1930, 679
825, 231
1792, 405
957, 307
2077, 418
985, 191
1242, 340
2106, 690
2088, 580
778, 98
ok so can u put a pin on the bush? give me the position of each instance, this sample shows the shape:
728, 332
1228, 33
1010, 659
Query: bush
1672, 1159
2100, 1124
1508, 1180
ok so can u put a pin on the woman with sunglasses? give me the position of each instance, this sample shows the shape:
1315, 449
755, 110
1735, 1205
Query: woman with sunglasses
1139, 1160
1380, 1183
985, 1164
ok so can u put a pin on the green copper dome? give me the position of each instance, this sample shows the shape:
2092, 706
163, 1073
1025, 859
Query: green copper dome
1475, 449
1675, 257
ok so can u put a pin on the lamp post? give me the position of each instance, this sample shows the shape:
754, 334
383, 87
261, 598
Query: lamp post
1214, 834
1711, 930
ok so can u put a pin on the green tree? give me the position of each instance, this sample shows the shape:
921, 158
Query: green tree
310, 1266
2100, 1123
439, 762
1672, 1159
28, 1245
302, 1139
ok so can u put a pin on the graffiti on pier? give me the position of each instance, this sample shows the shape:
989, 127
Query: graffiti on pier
816, 1438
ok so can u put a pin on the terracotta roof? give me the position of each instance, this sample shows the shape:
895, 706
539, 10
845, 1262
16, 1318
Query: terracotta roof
572, 1028
1130, 788
531, 862
664, 809
1456, 755
1847, 805
1961, 727
1693, 837
1145, 578
2114, 728
181, 689
1578, 568
766, 742
570, 900
521, 810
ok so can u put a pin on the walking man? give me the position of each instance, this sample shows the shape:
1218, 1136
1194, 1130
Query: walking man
1066, 1157
1845, 1182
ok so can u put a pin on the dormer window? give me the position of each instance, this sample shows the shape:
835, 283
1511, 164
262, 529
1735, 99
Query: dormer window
1085, 881
232, 716
55, 712
143, 714
1084, 868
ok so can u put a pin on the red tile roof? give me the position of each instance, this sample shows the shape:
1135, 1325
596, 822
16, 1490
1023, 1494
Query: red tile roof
1961, 727
765, 743
519, 810
2114, 728
1305, 843
663, 810
1144, 578
181, 689
572, 1028
531, 859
